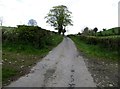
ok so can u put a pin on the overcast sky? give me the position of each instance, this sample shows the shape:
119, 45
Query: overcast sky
90, 13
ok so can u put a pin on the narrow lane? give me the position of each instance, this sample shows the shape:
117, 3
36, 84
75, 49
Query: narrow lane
62, 67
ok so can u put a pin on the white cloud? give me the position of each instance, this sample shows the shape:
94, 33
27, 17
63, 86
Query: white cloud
91, 13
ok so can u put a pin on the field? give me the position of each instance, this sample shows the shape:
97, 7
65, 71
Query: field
109, 32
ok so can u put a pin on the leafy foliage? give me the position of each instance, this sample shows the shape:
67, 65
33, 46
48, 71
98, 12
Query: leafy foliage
86, 31
59, 17
98, 47
95, 29
32, 35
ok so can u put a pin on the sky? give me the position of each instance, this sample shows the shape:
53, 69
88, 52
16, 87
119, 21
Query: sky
119, 14
85, 13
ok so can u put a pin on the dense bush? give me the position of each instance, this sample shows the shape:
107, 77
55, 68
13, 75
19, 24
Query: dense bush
32, 35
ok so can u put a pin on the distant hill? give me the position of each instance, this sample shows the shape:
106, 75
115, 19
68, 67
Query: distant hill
109, 32
8, 28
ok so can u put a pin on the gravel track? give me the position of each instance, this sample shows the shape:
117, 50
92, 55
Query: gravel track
62, 67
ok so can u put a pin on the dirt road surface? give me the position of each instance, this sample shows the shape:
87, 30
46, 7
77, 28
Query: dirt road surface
62, 67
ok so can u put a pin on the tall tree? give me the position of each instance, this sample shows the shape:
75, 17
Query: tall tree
86, 31
95, 29
59, 17
104, 29
32, 22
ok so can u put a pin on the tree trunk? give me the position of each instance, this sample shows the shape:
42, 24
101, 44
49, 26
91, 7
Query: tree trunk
63, 31
59, 32
60, 28
63, 34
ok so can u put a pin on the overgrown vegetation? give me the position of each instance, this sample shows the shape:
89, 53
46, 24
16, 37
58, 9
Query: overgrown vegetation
104, 44
28, 35
23, 47
92, 49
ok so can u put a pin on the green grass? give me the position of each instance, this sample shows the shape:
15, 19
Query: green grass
28, 49
18, 59
110, 32
0, 75
7, 72
94, 51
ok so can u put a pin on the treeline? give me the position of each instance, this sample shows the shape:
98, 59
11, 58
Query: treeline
103, 32
28, 35
108, 39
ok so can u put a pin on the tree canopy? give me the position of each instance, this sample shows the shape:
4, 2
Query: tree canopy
59, 17
95, 29
32, 22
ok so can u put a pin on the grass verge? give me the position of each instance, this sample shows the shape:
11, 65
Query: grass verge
94, 51
17, 59
101, 63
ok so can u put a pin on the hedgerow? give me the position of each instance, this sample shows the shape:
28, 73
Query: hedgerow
32, 35
109, 43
